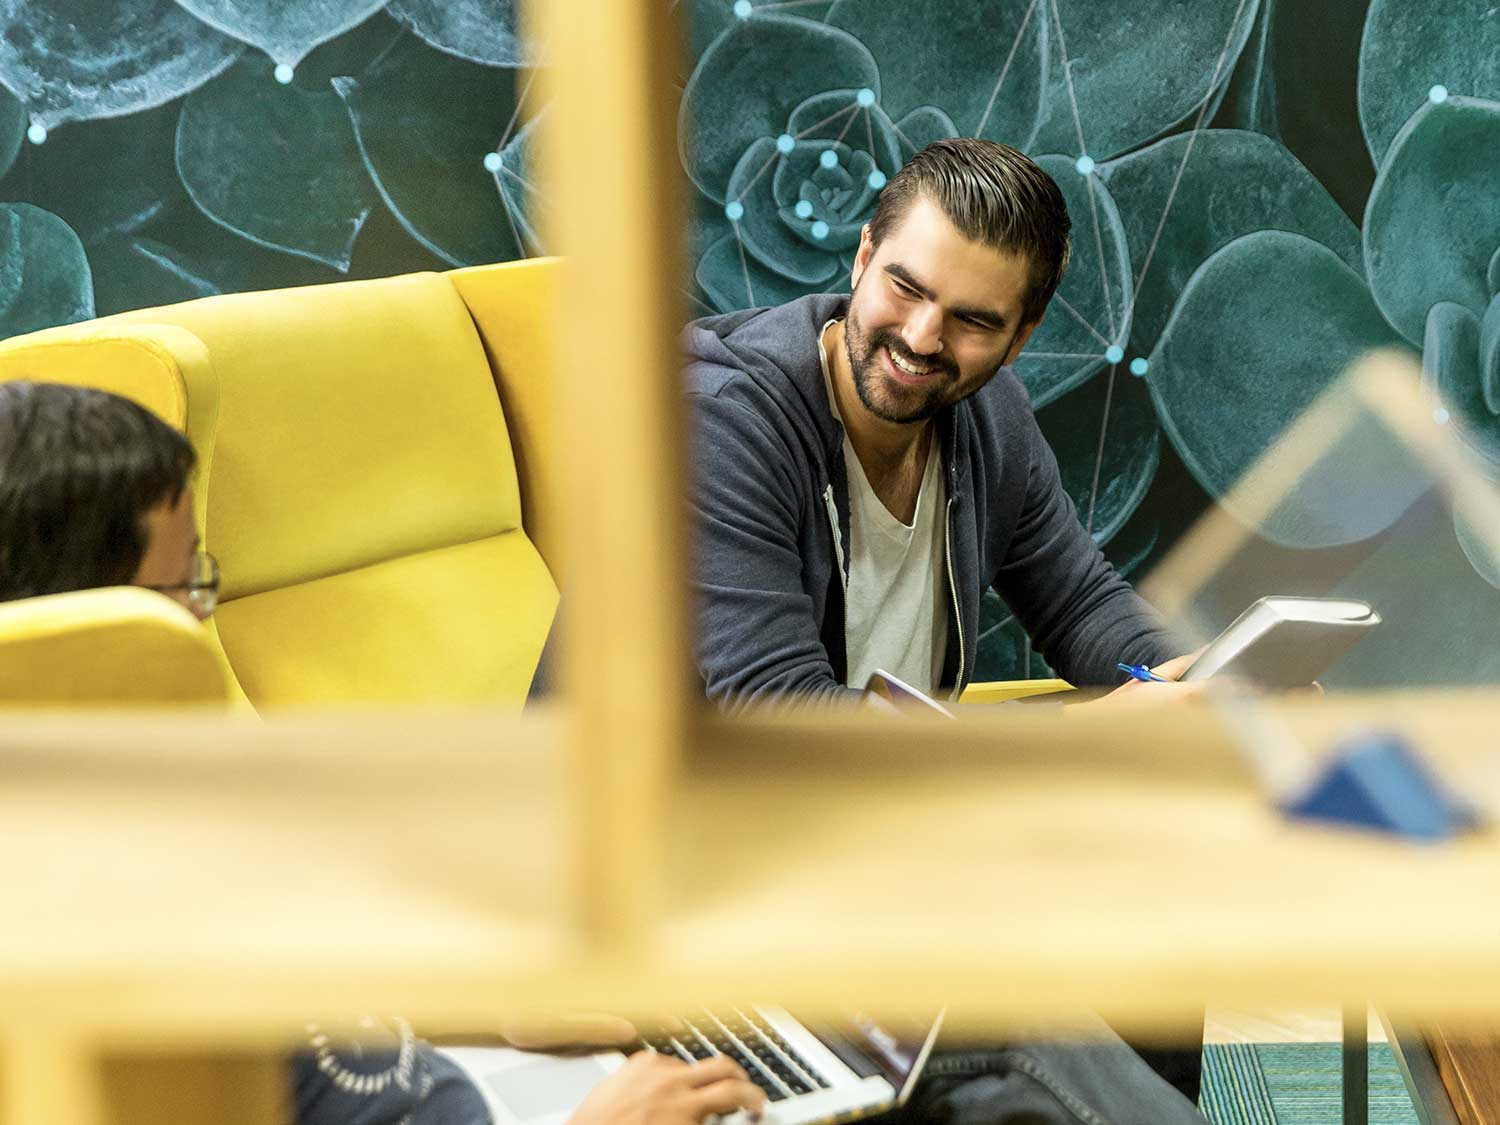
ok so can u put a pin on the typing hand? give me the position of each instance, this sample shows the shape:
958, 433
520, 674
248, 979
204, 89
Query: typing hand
657, 1089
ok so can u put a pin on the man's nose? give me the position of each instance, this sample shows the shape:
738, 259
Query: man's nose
923, 330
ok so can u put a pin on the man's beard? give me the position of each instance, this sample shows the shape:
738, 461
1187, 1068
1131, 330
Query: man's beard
881, 395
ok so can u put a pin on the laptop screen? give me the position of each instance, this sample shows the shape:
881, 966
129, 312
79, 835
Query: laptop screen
893, 1048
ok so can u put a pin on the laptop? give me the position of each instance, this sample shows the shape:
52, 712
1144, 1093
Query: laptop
811, 1073
837, 1071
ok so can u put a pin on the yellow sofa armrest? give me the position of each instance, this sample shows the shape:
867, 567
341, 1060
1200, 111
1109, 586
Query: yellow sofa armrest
116, 647
1003, 691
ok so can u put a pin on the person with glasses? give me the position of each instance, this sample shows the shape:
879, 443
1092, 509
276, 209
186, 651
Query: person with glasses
94, 492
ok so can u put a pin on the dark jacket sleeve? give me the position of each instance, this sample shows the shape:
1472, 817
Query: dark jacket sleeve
757, 629
1082, 616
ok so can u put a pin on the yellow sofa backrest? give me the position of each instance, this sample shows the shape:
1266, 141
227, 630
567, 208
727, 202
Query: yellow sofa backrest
356, 481
115, 647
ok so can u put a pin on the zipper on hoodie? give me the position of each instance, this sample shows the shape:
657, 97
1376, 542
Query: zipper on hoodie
958, 619
838, 537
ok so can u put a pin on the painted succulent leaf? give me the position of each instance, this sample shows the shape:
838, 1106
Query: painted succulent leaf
135, 273
45, 278
275, 164
1492, 274
1482, 550
1004, 651
1409, 48
1489, 355
748, 82
733, 279
1263, 327
837, 115
1433, 220
1250, 98
1188, 49
427, 158
1423, 639
482, 31
1105, 437
763, 229
840, 196
12, 129
1233, 182
973, 46
103, 177
1296, 83
73, 60
921, 127
1451, 371
1090, 310
520, 196
285, 31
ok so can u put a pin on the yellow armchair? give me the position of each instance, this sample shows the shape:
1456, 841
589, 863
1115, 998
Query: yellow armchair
357, 479
115, 647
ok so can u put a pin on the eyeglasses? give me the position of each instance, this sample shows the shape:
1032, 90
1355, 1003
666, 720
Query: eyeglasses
200, 593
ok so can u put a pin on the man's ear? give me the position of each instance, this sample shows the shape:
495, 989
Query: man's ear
862, 256
1019, 342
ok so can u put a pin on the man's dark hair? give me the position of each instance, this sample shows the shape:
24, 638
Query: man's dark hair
994, 195
79, 469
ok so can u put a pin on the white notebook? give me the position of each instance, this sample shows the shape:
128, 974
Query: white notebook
1286, 642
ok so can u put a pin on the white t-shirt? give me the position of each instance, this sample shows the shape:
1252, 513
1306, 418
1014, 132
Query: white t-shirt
896, 601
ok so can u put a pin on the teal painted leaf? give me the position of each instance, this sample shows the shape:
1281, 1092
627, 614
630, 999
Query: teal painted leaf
1433, 221
71, 60
1265, 325
1296, 83
285, 31
104, 177
750, 80
1452, 350
135, 273
1231, 183
985, 65
1091, 308
426, 156
482, 31
1437, 612
275, 164
1481, 549
521, 197
768, 229
1004, 649
1408, 48
1105, 437
12, 129
44, 275
733, 279
921, 127
1188, 50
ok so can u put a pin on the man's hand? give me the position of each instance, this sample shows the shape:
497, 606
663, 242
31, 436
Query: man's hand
657, 1089
1138, 693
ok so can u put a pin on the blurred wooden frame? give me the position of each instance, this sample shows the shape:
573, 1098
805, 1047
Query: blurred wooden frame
185, 892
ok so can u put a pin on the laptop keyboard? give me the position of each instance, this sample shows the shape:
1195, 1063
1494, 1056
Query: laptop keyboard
772, 1063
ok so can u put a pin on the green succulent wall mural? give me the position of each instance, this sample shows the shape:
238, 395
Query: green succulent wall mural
1260, 189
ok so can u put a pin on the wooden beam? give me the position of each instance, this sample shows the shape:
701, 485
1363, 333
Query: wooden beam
610, 182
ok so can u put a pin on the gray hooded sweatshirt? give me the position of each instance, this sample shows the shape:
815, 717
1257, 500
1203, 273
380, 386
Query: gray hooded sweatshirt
770, 505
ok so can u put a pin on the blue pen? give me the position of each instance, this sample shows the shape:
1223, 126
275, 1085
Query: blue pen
1142, 673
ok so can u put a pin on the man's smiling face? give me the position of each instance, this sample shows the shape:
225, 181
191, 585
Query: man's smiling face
933, 316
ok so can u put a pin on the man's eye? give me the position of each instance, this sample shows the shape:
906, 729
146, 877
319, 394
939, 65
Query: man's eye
904, 289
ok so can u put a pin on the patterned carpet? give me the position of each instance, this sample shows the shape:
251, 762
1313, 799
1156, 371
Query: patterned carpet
1295, 1084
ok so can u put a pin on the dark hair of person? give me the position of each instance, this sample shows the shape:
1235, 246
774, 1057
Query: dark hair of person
994, 195
79, 470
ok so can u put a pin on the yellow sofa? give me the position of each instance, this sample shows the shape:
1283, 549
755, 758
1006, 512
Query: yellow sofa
372, 475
